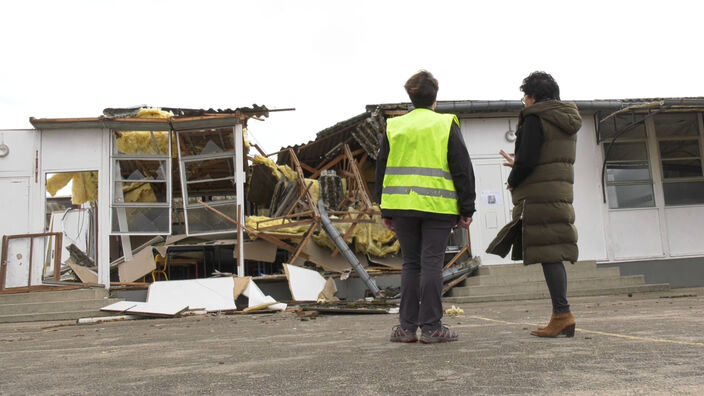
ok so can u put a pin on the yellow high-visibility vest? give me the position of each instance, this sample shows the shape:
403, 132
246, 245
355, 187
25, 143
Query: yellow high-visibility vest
417, 172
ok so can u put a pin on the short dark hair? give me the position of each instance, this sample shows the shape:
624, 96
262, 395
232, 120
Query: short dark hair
422, 88
541, 86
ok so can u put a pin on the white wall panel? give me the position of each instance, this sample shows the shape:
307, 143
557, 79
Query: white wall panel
76, 149
685, 227
14, 205
484, 139
588, 206
21, 145
635, 234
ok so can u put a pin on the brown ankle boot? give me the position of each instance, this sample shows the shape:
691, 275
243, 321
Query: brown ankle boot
543, 327
562, 323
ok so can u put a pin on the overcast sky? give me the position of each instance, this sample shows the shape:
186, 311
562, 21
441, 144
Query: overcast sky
329, 59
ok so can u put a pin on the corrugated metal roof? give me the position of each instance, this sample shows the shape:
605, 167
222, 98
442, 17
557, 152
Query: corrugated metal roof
313, 152
496, 107
255, 110
124, 119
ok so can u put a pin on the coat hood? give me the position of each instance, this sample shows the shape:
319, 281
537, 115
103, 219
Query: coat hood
564, 115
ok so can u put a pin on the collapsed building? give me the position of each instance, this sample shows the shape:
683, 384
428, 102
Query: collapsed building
173, 194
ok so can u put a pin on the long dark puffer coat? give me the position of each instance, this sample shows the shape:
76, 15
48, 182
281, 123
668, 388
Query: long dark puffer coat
548, 233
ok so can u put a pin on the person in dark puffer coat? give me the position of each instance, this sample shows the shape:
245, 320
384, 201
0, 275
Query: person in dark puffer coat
541, 183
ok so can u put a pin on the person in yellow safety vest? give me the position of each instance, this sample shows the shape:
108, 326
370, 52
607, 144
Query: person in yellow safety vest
425, 186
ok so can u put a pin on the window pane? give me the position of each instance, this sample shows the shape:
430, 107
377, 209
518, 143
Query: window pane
684, 193
140, 220
627, 171
203, 220
678, 124
193, 200
681, 168
609, 128
141, 143
210, 188
635, 151
630, 196
679, 148
209, 169
141, 192
141, 169
211, 141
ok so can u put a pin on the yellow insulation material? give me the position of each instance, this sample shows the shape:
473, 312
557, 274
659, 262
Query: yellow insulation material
57, 182
85, 184
371, 238
84, 187
294, 233
276, 170
314, 189
153, 112
139, 192
247, 145
139, 142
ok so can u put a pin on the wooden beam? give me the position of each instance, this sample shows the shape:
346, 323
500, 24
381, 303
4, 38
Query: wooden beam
358, 177
453, 283
457, 256
333, 163
284, 225
344, 238
301, 184
256, 146
304, 192
351, 221
292, 216
363, 160
307, 167
304, 242
258, 234
5, 244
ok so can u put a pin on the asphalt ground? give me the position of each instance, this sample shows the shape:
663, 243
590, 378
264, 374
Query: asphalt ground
643, 344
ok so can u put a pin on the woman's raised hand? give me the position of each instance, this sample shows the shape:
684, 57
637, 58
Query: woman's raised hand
508, 157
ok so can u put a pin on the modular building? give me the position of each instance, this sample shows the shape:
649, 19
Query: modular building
123, 161
639, 186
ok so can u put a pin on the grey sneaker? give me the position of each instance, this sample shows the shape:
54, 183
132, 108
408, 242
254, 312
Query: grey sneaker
399, 334
443, 334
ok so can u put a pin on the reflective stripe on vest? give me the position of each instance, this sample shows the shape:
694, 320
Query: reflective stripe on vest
431, 192
417, 172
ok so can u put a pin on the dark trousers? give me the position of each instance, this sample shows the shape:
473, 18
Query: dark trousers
556, 278
423, 243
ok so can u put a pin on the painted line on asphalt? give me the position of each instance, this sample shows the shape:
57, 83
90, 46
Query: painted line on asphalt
628, 337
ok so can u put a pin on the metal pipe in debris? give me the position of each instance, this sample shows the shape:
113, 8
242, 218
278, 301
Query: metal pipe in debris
345, 250
458, 270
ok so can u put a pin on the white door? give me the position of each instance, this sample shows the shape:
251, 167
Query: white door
14, 219
17, 179
493, 206
14, 205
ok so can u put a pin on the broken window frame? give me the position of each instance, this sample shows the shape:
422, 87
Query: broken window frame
116, 195
185, 181
673, 182
613, 185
